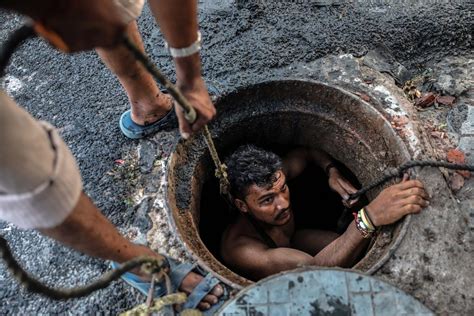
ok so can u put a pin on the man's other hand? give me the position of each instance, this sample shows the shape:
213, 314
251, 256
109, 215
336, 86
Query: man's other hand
197, 94
342, 186
396, 201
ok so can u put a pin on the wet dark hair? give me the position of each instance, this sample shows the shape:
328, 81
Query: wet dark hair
250, 165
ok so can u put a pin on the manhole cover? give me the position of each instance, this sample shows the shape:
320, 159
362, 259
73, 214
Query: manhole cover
316, 291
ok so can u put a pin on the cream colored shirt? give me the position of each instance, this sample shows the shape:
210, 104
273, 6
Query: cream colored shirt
40, 182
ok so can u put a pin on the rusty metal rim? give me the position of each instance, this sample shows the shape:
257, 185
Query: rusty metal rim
375, 267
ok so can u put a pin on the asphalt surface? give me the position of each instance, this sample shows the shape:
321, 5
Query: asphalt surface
244, 42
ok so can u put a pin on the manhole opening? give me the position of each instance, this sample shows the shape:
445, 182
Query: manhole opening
314, 204
280, 116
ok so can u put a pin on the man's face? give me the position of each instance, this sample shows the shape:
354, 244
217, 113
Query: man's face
269, 205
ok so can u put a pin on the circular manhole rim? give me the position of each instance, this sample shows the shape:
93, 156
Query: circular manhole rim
402, 225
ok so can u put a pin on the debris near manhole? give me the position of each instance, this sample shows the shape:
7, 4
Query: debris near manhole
438, 135
425, 100
411, 91
428, 99
445, 100
439, 131
457, 156
369, 79
456, 182
119, 162
441, 140
382, 60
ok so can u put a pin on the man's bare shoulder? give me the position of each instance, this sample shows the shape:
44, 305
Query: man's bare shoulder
239, 237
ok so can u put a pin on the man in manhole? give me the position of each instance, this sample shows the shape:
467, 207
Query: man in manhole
264, 240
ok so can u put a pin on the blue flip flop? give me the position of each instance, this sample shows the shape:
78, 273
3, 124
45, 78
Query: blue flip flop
178, 272
134, 131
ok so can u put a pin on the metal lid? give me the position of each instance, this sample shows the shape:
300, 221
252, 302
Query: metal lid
320, 291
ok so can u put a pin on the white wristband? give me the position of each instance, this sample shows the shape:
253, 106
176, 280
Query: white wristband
185, 51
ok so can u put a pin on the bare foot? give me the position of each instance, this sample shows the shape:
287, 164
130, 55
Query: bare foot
146, 112
191, 281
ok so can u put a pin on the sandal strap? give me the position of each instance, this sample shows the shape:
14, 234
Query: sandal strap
178, 272
137, 283
200, 291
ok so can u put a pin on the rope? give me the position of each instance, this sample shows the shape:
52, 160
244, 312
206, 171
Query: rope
398, 173
157, 305
190, 113
150, 265
221, 169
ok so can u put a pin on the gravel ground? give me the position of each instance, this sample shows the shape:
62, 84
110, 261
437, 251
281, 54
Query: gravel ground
245, 41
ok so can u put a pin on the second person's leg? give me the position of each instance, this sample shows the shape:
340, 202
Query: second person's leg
148, 104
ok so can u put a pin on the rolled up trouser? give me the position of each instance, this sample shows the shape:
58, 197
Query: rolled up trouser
40, 182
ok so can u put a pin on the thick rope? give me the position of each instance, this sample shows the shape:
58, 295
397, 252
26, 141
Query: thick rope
152, 265
221, 169
398, 173
157, 305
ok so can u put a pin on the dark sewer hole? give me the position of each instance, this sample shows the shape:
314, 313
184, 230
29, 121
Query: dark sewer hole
314, 204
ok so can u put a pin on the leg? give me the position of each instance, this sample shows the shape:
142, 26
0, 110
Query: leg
312, 241
147, 102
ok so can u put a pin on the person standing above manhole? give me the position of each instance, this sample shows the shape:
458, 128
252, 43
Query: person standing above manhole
40, 184
264, 240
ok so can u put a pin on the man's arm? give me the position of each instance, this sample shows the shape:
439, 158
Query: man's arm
257, 261
178, 22
297, 160
45, 193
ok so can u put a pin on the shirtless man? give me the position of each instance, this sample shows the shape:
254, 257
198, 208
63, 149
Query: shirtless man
264, 241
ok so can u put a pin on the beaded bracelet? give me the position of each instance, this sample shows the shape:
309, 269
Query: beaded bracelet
366, 219
365, 228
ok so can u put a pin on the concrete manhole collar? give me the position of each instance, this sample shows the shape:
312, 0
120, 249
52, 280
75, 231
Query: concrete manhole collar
284, 113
